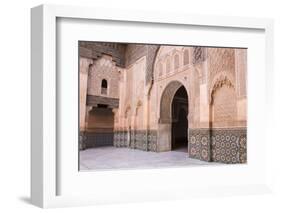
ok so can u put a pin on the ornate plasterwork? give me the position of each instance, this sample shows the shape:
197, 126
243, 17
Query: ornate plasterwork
199, 55
104, 68
221, 60
224, 106
150, 61
95, 50
241, 72
223, 100
220, 79
169, 60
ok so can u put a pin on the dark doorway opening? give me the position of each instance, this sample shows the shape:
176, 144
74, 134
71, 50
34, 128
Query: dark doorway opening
100, 127
179, 120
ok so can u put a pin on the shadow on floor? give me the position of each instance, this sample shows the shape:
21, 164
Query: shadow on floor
26, 200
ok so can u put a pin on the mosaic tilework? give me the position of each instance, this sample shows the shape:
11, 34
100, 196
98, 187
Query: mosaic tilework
152, 141
120, 139
243, 147
95, 139
199, 144
229, 145
82, 141
218, 145
139, 139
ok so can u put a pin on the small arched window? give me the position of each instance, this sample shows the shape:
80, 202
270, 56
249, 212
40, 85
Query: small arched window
104, 87
186, 57
176, 61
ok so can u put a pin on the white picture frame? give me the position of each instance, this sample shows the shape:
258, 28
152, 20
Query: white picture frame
45, 168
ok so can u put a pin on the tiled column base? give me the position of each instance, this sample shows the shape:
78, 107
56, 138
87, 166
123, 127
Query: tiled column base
199, 144
82, 141
139, 139
227, 145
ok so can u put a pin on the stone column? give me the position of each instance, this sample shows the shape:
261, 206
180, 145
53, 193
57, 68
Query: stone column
146, 116
83, 134
199, 131
84, 66
241, 85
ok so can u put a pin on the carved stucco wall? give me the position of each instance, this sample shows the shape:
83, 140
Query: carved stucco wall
132, 97
221, 64
170, 60
131, 128
224, 106
241, 72
134, 52
221, 59
181, 70
104, 68
95, 50
198, 55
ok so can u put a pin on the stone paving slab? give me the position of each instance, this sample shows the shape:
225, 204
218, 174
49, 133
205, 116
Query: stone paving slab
109, 158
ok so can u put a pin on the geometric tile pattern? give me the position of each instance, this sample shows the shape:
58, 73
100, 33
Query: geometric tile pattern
150, 58
220, 60
95, 139
225, 145
199, 144
82, 140
152, 141
243, 148
229, 145
139, 139
120, 139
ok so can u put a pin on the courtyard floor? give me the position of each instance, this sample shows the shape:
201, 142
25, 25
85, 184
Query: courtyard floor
107, 158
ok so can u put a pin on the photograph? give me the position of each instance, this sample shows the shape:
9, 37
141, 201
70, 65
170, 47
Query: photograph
145, 106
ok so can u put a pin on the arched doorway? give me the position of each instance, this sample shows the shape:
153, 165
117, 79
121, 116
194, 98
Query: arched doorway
179, 120
175, 94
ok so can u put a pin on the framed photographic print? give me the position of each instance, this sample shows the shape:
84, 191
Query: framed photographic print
148, 106
153, 105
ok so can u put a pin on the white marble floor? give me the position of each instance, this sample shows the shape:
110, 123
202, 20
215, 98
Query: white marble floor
108, 158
